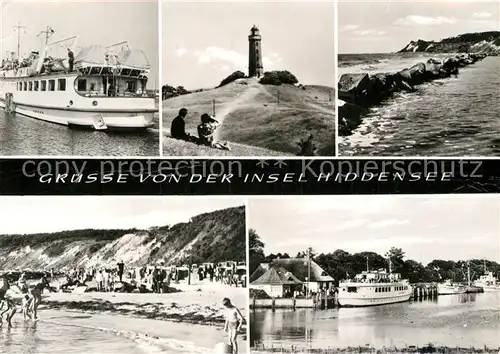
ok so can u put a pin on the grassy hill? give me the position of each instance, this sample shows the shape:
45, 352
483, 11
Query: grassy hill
273, 118
210, 237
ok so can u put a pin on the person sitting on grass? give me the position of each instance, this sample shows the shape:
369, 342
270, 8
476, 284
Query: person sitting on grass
178, 127
234, 321
206, 132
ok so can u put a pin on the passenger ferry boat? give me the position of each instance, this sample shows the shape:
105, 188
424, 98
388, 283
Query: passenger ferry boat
488, 282
449, 288
104, 90
372, 288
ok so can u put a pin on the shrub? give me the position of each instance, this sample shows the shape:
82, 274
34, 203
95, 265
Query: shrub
234, 76
278, 77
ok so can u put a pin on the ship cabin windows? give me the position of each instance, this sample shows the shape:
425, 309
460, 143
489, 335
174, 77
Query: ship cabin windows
352, 289
82, 85
36, 85
44, 85
19, 86
30, 86
52, 85
25, 86
61, 84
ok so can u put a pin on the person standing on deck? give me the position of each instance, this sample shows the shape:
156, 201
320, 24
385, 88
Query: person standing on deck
71, 59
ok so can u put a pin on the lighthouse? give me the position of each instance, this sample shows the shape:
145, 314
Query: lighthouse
255, 68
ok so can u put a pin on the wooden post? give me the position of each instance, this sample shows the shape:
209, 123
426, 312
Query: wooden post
189, 270
213, 107
294, 303
273, 304
278, 96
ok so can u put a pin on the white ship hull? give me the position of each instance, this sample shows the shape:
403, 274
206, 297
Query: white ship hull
445, 290
373, 301
87, 119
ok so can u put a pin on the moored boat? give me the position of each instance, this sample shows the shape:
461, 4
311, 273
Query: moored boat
371, 288
450, 288
101, 88
488, 282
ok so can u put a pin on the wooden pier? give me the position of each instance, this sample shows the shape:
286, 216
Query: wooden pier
422, 291
319, 301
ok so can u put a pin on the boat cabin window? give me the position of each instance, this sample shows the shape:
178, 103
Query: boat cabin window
19, 86
37, 85
61, 83
131, 84
25, 86
52, 85
352, 289
44, 85
30, 86
82, 85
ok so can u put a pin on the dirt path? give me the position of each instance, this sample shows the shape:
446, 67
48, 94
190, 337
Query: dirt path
242, 99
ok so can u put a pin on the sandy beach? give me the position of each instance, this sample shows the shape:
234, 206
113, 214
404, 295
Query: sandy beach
190, 320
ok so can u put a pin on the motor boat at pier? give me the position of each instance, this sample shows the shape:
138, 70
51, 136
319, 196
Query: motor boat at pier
371, 288
450, 288
101, 87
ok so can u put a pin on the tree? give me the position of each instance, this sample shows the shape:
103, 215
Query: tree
255, 250
395, 256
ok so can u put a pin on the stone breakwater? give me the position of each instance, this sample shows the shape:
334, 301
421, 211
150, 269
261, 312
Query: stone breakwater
359, 91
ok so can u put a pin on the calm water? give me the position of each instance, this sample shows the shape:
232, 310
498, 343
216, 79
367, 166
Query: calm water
20, 135
454, 320
48, 337
72, 332
449, 117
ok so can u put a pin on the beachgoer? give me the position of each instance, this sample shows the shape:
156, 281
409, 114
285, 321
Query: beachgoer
4, 300
21, 283
206, 132
121, 267
234, 321
36, 292
26, 305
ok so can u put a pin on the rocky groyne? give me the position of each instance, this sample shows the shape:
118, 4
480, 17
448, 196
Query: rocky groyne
358, 92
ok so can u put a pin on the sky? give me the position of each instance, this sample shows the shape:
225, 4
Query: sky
205, 42
388, 26
425, 227
94, 22
25, 215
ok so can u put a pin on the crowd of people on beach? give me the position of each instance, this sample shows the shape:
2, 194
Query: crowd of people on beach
206, 130
157, 278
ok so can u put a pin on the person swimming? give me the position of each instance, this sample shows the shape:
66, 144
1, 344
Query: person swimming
233, 323
36, 293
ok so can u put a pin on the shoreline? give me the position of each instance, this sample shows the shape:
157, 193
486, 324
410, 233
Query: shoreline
385, 350
358, 92
198, 304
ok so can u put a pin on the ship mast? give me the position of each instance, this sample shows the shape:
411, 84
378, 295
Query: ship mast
49, 31
18, 28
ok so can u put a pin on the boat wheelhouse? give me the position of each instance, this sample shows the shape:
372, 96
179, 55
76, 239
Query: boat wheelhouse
103, 88
371, 288
488, 282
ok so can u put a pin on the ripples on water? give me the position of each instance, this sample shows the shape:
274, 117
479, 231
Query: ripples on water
450, 117
46, 337
72, 332
454, 320
25, 136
